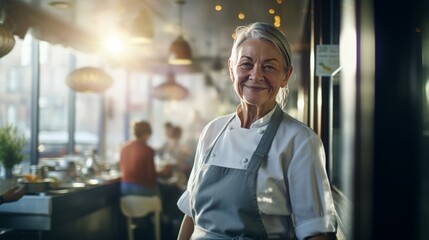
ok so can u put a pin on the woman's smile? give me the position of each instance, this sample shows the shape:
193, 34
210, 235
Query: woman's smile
255, 87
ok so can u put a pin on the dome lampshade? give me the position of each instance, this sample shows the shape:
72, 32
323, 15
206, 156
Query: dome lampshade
170, 90
142, 28
180, 52
89, 79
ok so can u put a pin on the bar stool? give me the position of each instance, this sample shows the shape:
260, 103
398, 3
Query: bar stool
133, 206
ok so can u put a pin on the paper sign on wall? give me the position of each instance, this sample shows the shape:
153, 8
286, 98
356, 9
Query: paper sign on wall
327, 60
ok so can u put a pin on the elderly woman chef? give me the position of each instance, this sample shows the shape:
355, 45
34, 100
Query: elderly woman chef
258, 172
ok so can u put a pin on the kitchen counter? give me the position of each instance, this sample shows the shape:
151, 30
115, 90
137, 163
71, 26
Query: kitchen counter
90, 212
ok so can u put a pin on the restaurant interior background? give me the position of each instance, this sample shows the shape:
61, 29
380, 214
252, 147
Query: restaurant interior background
55, 38
52, 39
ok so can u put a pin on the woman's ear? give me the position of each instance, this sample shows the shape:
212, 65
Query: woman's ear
287, 76
231, 75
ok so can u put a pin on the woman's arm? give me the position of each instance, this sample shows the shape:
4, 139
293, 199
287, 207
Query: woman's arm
186, 229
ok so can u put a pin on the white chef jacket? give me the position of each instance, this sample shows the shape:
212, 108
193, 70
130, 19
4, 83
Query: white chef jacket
292, 182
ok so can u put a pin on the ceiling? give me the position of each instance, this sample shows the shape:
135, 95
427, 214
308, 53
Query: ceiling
84, 23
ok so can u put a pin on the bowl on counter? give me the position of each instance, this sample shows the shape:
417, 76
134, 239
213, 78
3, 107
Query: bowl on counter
37, 186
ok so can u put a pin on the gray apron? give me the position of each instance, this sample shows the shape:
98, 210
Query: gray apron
224, 200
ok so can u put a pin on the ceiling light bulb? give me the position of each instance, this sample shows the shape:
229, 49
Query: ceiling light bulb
241, 16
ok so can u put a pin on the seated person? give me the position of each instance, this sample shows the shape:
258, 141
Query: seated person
139, 176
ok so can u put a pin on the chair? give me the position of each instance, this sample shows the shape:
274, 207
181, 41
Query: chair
133, 206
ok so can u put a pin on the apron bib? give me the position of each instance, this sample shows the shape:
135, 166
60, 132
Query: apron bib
224, 203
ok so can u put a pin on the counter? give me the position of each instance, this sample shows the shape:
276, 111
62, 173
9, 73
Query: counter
91, 212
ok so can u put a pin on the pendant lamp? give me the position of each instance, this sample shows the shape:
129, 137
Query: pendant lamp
89, 79
7, 41
180, 51
142, 28
170, 90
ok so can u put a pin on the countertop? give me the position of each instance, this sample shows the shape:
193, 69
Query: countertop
45, 210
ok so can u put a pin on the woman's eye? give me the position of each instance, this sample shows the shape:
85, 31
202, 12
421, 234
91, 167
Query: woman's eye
269, 68
246, 65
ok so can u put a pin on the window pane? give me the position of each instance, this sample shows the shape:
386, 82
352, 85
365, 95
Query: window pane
53, 102
341, 164
88, 114
88, 110
15, 89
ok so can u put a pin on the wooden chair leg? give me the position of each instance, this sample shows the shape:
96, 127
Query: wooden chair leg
157, 223
131, 228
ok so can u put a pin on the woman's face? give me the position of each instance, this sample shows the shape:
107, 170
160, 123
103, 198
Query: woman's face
258, 72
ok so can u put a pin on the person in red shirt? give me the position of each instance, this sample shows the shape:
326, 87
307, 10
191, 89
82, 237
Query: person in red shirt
139, 175
137, 164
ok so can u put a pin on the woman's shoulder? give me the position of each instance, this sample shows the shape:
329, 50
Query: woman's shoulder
213, 127
292, 126
219, 121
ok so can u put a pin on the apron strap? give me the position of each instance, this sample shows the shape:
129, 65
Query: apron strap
258, 156
264, 145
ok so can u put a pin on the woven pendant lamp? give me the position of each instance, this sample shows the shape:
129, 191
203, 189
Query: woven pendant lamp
89, 79
7, 41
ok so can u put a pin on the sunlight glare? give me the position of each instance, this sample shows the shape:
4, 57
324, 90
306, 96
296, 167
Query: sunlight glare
114, 44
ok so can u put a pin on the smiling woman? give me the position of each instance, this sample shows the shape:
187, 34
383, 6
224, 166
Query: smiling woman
258, 74
260, 65
258, 153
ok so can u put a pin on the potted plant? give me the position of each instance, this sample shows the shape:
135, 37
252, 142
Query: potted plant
11, 145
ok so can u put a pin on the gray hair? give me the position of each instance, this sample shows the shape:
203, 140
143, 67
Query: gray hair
259, 30
264, 31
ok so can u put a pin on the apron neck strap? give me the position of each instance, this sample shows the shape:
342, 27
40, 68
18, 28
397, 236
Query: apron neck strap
265, 143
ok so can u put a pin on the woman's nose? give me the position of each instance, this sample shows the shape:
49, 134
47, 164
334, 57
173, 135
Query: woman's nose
256, 73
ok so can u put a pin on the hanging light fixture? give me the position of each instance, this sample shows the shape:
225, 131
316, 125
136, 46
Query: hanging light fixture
180, 51
141, 28
170, 90
89, 79
7, 41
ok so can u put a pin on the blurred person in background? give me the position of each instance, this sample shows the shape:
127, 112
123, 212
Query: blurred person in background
175, 155
139, 175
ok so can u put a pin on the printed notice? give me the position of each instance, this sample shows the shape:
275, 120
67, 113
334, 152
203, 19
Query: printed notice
327, 60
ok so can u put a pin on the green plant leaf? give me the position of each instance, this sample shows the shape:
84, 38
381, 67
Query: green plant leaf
11, 145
